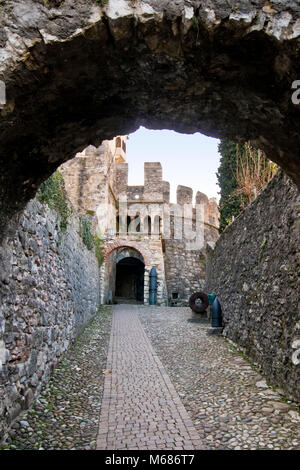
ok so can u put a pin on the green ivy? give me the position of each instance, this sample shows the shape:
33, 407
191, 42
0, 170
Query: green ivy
230, 203
98, 249
53, 193
86, 233
91, 241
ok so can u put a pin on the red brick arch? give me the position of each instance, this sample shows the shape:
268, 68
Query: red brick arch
121, 244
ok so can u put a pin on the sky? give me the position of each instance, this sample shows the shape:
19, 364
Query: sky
189, 160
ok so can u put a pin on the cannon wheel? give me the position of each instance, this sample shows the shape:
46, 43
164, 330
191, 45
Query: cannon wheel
198, 308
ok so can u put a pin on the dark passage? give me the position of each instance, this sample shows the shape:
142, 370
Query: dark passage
130, 279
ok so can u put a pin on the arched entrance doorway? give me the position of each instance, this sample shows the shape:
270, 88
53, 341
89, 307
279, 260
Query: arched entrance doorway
123, 275
130, 280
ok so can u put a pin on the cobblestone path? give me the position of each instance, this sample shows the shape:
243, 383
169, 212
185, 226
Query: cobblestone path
230, 403
140, 407
216, 400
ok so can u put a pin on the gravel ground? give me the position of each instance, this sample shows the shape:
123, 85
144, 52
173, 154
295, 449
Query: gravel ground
230, 403
66, 414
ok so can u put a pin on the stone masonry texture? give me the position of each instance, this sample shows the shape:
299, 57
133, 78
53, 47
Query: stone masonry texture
255, 272
49, 289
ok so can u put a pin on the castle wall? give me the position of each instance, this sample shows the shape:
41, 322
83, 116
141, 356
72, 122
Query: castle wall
213, 212
49, 289
94, 180
133, 191
153, 187
95, 176
202, 199
255, 272
121, 180
185, 265
166, 191
184, 195
186, 268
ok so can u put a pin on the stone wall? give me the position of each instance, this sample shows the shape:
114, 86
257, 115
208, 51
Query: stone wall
153, 186
49, 289
135, 193
255, 272
121, 177
185, 268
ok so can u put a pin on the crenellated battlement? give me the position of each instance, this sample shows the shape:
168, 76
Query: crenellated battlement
99, 176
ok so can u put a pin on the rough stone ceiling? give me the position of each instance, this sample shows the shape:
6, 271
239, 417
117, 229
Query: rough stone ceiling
77, 73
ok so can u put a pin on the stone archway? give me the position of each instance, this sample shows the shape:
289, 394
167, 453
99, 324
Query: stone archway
124, 274
78, 73
131, 246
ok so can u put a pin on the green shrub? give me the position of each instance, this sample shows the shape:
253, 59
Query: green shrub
53, 193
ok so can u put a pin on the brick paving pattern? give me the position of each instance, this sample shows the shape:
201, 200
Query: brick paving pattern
140, 407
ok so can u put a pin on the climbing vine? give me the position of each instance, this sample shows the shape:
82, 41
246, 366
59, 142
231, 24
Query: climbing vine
86, 233
98, 249
91, 241
230, 202
53, 193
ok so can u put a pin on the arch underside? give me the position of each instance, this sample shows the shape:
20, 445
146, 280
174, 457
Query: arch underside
128, 252
85, 74
124, 248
